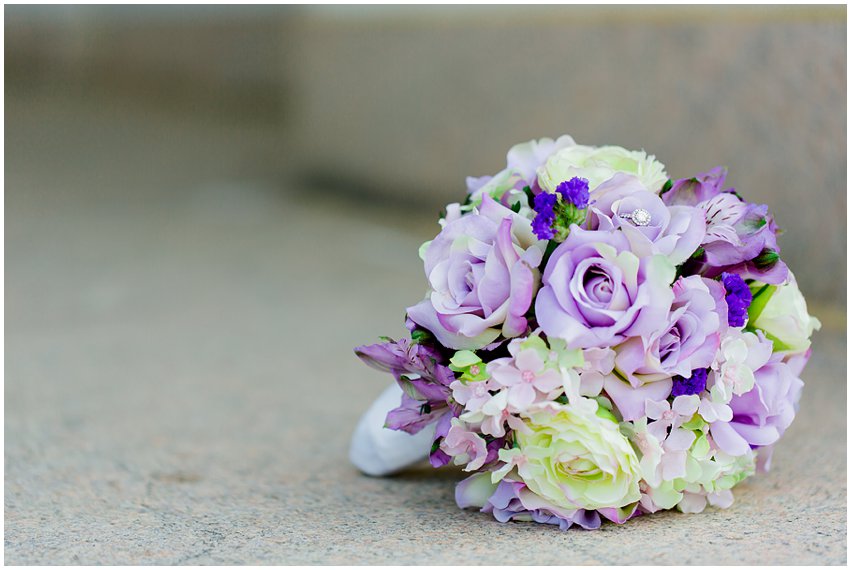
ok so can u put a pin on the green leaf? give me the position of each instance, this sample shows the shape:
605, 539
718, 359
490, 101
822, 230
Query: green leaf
695, 423
572, 358
604, 402
408, 388
551, 247
419, 336
760, 299
779, 345
606, 414
464, 358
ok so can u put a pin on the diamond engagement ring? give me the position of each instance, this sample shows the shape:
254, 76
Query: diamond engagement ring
639, 217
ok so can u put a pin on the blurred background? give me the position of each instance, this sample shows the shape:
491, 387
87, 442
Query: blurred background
207, 207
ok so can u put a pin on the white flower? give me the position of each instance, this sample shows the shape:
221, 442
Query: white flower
781, 312
667, 415
650, 448
577, 459
598, 164
740, 354
715, 408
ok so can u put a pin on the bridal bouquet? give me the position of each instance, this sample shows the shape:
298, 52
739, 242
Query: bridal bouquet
599, 341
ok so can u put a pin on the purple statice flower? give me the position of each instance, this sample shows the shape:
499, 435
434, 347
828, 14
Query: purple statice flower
542, 225
738, 299
694, 384
575, 191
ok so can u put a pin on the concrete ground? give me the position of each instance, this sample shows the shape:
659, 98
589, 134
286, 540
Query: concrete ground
180, 385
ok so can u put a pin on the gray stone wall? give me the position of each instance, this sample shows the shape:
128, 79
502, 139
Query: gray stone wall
409, 102
403, 103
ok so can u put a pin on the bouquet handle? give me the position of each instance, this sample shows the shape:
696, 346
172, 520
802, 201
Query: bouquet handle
379, 451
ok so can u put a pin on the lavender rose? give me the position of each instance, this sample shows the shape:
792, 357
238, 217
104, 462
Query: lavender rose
512, 500
522, 163
687, 342
526, 158
761, 415
674, 231
483, 273
596, 292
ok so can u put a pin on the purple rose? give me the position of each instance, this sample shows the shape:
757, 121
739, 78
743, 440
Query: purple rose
482, 269
476, 183
513, 501
525, 158
596, 292
741, 237
522, 163
761, 415
689, 339
675, 231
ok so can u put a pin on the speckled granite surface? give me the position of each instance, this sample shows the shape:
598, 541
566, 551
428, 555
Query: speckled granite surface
180, 386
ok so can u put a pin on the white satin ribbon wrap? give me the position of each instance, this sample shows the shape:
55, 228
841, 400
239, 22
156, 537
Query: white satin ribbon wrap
379, 451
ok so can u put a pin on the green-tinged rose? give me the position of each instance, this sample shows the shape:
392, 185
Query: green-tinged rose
781, 313
576, 458
598, 164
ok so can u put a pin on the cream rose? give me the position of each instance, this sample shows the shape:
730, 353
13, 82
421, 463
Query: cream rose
780, 311
576, 458
598, 164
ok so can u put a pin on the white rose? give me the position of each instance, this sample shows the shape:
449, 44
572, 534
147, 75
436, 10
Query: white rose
781, 313
598, 164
